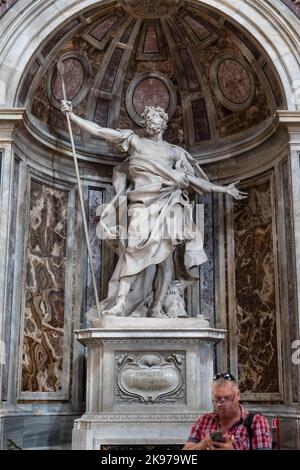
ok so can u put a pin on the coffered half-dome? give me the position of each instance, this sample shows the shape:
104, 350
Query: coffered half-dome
215, 81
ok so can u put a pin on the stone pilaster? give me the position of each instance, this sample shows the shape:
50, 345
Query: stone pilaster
8, 121
291, 120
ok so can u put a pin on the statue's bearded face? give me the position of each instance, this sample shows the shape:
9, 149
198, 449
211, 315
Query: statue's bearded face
155, 123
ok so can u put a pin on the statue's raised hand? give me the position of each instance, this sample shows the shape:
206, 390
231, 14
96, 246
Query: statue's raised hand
235, 192
66, 106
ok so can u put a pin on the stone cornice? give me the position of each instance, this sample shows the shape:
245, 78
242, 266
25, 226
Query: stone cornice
148, 335
9, 117
11, 114
291, 118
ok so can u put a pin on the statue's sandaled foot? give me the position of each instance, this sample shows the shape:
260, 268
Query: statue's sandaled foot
157, 312
135, 315
177, 313
159, 315
118, 310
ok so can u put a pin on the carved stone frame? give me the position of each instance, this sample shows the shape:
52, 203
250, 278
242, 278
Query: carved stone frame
161, 55
217, 90
136, 81
87, 71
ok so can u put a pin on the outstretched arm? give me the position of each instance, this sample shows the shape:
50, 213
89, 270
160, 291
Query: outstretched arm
199, 181
110, 135
235, 192
201, 185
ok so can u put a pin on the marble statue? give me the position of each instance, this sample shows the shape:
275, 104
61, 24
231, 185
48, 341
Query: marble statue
162, 248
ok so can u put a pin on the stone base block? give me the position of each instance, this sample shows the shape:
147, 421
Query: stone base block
145, 383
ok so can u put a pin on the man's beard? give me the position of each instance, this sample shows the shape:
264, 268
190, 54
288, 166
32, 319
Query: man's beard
151, 128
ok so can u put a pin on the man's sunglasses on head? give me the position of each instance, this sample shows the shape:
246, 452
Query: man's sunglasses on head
225, 376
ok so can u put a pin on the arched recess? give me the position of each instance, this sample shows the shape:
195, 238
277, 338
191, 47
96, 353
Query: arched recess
30, 22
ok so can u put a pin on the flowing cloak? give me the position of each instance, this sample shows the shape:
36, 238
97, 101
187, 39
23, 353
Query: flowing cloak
154, 218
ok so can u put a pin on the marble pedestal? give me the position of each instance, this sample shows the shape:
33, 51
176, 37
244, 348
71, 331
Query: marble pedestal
147, 380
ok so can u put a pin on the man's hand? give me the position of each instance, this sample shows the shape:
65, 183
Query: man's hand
205, 444
66, 106
235, 192
227, 445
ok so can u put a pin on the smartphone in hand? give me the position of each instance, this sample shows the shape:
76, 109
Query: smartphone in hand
217, 437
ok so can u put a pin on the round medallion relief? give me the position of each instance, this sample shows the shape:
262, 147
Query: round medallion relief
150, 92
150, 89
76, 74
232, 82
74, 77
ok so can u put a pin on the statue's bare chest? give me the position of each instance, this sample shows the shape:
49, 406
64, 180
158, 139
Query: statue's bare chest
162, 153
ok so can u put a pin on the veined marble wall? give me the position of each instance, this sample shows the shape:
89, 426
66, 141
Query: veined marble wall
255, 284
45, 289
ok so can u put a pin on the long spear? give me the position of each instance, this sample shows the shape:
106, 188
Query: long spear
61, 69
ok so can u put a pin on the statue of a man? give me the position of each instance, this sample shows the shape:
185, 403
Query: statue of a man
156, 178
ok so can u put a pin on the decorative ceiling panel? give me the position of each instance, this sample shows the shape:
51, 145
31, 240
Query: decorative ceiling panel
211, 75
